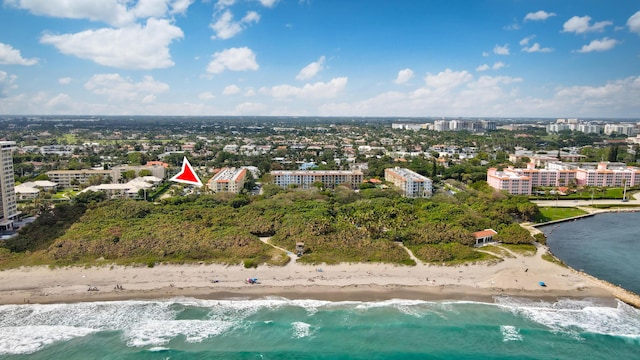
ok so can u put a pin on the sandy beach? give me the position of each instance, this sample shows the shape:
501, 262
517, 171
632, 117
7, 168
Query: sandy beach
516, 275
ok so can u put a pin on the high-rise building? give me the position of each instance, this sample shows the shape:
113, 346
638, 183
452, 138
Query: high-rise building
9, 210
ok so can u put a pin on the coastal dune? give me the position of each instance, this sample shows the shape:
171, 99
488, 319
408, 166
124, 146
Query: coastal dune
515, 275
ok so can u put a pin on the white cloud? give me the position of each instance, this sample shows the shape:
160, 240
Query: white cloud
250, 92
447, 80
112, 12
180, 6
234, 59
526, 40
404, 75
485, 54
224, 3
132, 47
599, 45
311, 70
64, 81
268, 3
498, 65
207, 95
117, 88
513, 26
150, 8
538, 15
609, 98
580, 25
11, 56
60, 102
485, 96
536, 48
250, 108
501, 50
318, 90
485, 67
6, 82
634, 23
225, 27
231, 90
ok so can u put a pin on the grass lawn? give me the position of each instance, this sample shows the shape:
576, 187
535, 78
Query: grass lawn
557, 213
522, 249
497, 250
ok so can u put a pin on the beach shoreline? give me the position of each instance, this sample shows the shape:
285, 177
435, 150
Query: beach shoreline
516, 275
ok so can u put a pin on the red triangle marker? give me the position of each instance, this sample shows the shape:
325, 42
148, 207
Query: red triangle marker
187, 175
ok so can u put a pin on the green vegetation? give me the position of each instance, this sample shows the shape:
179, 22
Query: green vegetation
553, 259
498, 250
522, 249
558, 213
336, 226
585, 193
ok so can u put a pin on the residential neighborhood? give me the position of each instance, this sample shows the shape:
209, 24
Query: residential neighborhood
54, 158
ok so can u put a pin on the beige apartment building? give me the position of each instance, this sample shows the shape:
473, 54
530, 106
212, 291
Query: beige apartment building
412, 184
228, 179
66, 178
329, 178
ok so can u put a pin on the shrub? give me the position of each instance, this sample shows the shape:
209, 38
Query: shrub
250, 263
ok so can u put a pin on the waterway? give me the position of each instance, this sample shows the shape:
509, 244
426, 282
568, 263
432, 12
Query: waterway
606, 246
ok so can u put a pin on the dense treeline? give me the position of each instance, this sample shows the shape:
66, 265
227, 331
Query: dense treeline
336, 226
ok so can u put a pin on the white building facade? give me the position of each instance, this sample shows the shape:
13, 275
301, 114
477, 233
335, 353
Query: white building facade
412, 184
9, 210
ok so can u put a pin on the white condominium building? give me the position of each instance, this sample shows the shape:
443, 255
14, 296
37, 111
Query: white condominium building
412, 184
228, 179
9, 210
328, 178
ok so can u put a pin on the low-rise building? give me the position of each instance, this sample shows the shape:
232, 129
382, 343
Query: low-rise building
31, 190
129, 190
521, 181
228, 179
412, 184
156, 169
509, 181
328, 178
69, 178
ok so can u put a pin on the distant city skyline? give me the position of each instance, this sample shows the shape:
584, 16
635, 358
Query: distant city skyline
401, 58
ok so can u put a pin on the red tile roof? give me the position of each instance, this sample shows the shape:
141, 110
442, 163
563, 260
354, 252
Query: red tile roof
484, 233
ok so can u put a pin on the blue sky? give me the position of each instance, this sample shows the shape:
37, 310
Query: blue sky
404, 58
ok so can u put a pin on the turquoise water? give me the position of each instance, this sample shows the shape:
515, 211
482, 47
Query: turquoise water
606, 246
307, 329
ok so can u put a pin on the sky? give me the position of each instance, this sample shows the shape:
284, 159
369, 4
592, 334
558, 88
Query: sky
396, 58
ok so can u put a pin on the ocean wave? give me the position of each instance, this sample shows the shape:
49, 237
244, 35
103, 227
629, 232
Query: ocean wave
32, 338
301, 329
156, 333
574, 317
510, 333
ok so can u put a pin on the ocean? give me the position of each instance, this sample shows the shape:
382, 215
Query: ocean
277, 328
